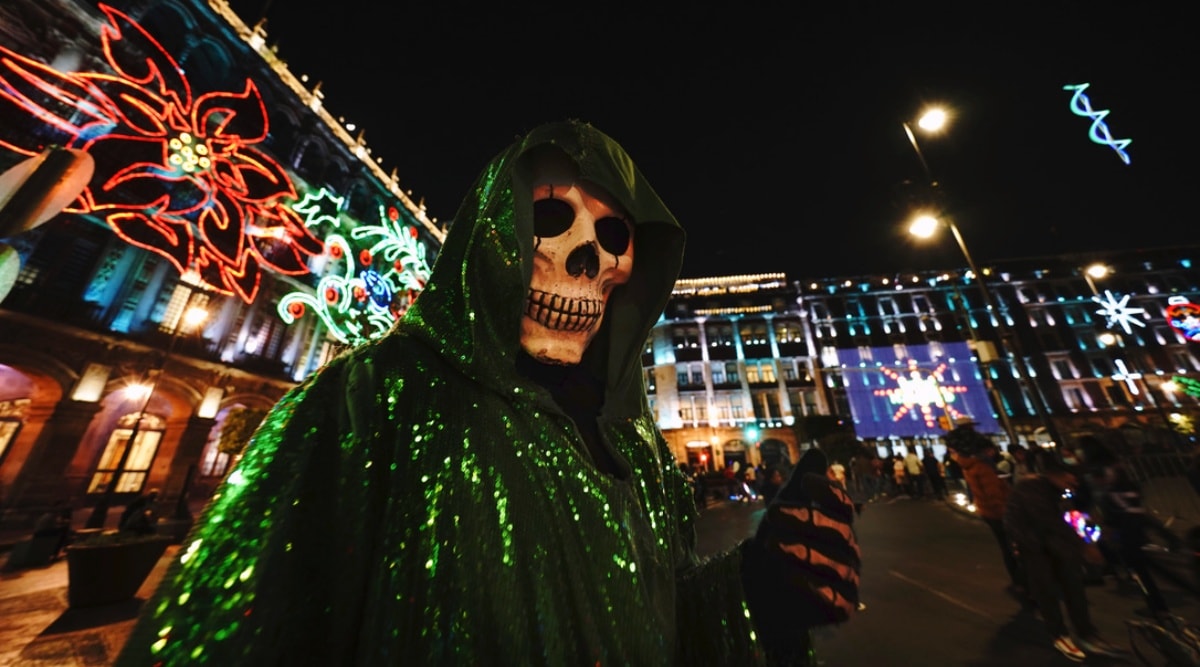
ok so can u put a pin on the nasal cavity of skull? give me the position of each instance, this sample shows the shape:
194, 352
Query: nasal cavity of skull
584, 259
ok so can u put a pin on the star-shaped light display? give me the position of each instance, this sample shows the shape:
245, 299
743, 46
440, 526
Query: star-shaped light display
922, 392
1117, 311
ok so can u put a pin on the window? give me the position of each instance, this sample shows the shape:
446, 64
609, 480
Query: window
214, 462
788, 331
1063, 370
132, 477
9, 427
767, 371
731, 372
720, 335
753, 332
718, 373
1183, 360
921, 304
685, 337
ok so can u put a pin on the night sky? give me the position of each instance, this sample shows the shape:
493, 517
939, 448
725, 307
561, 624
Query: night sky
775, 135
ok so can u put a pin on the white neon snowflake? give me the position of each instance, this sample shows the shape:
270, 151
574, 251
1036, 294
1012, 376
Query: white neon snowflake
1117, 311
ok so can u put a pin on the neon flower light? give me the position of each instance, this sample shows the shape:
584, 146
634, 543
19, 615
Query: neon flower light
1184, 317
922, 392
175, 174
1099, 132
369, 289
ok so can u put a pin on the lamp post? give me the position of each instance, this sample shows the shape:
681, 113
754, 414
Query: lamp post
190, 316
924, 226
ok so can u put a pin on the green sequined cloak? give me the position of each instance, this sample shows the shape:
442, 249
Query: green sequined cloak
418, 502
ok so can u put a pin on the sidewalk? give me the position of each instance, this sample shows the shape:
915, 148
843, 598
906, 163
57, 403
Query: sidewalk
37, 629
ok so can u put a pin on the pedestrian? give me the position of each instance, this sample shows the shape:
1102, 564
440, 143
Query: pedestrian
55, 524
899, 477
954, 476
914, 474
934, 474
837, 472
139, 515
486, 482
1053, 555
966, 448
877, 477
771, 484
1022, 465
1128, 526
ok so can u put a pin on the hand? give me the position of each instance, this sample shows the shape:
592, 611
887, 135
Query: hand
807, 546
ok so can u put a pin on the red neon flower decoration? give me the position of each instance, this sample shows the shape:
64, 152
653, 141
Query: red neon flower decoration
360, 294
175, 174
335, 251
296, 309
364, 257
332, 295
393, 214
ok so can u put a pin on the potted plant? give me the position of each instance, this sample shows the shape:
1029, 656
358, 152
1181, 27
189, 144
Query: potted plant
111, 566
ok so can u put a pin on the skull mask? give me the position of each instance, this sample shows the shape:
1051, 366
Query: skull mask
582, 249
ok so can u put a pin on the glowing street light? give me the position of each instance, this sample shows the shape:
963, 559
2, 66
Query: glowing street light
924, 226
191, 317
1094, 272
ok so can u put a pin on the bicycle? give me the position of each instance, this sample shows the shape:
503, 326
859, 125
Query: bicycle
1165, 640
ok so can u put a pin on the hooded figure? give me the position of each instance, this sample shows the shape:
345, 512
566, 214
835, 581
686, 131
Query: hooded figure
486, 483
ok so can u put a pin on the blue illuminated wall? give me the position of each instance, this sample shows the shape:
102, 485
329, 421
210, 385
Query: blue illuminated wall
892, 397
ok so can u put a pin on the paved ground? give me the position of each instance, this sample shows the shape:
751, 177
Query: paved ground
37, 629
917, 610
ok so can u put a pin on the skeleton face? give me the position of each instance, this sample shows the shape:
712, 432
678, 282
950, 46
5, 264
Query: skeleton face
583, 248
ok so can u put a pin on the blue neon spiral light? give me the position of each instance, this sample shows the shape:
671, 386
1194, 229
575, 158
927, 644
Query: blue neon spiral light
1099, 133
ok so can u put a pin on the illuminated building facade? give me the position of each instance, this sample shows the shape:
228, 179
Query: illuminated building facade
731, 372
1111, 353
221, 186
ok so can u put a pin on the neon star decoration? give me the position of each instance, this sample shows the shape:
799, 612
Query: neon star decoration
922, 392
177, 174
1081, 105
1117, 311
366, 289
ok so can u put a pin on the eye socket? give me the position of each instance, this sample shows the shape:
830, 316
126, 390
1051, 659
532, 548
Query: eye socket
552, 217
613, 235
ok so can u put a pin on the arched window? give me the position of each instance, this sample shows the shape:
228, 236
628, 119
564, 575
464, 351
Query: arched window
146, 440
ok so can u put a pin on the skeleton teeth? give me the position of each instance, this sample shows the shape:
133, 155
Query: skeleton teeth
561, 313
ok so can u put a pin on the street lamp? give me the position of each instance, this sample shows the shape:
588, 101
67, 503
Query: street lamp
1094, 272
190, 317
924, 225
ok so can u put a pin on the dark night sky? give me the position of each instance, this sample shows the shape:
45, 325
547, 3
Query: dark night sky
775, 135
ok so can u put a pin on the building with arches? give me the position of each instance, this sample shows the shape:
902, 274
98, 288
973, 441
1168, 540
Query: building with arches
222, 188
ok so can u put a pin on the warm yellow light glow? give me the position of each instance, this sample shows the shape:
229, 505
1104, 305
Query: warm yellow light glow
923, 226
1108, 338
933, 119
138, 391
1097, 270
1170, 385
193, 316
